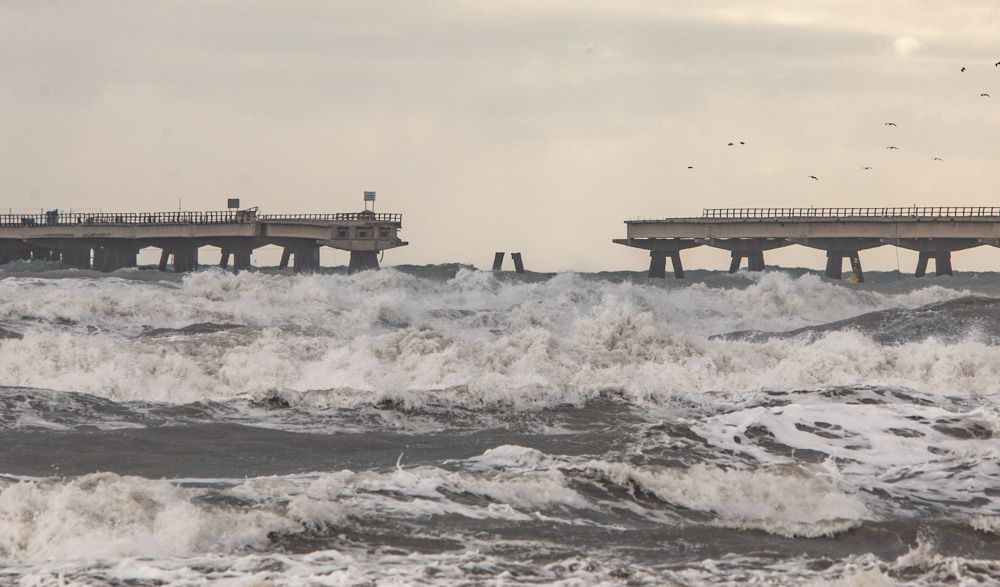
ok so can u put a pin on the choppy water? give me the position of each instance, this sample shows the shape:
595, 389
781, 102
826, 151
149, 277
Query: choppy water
441, 425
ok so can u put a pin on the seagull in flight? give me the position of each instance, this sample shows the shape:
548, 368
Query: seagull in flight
690, 166
897, 148
937, 159
890, 124
814, 177
984, 95
866, 168
730, 144
963, 69
742, 143
997, 64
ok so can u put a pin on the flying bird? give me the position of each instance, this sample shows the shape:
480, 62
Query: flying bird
690, 166
963, 69
730, 144
997, 64
937, 159
984, 95
814, 177
890, 124
897, 148
742, 143
866, 168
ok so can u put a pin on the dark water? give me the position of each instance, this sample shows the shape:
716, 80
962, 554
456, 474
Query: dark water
440, 425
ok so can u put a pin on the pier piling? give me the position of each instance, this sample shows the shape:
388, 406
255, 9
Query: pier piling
518, 263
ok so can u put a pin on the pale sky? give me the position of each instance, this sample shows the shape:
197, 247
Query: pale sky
515, 125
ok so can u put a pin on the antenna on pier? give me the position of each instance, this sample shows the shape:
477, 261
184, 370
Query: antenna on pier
369, 197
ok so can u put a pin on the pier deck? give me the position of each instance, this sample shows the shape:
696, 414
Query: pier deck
934, 232
110, 241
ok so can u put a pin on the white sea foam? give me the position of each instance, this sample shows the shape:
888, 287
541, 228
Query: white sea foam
473, 340
923, 452
104, 515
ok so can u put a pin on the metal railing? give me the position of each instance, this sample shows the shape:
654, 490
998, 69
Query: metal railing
56, 218
363, 216
910, 212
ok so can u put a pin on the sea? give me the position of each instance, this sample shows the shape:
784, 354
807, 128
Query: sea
442, 425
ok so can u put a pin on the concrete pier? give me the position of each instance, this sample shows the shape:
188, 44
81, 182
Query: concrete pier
934, 232
518, 262
116, 238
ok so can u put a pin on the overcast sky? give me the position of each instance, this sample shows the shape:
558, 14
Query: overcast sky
514, 125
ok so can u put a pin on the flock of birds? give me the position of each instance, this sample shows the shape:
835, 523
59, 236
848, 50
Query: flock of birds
890, 147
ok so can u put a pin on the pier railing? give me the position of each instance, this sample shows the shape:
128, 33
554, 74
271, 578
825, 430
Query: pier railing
363, 216
56, 218
908, 212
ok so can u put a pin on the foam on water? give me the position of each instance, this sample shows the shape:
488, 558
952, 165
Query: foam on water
344, 341
651, 438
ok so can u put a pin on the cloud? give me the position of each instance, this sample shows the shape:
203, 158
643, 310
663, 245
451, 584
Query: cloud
905, 45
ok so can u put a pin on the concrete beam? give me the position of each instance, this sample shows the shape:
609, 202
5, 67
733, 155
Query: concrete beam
934, 244
847, 245
667, 245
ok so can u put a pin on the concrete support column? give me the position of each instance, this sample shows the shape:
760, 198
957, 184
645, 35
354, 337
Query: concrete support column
856, 267
755, 260
518, 263
307, 257
834, 265
13, 250
185, 257
363, 261
737, 260
750, 248
657, 264
286, 256
942, 263
239, 255
241, 262
112, 257
498, 260
78, 257
675, 260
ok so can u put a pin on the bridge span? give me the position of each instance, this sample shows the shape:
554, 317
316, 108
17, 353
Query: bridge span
934, 232
111, 240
